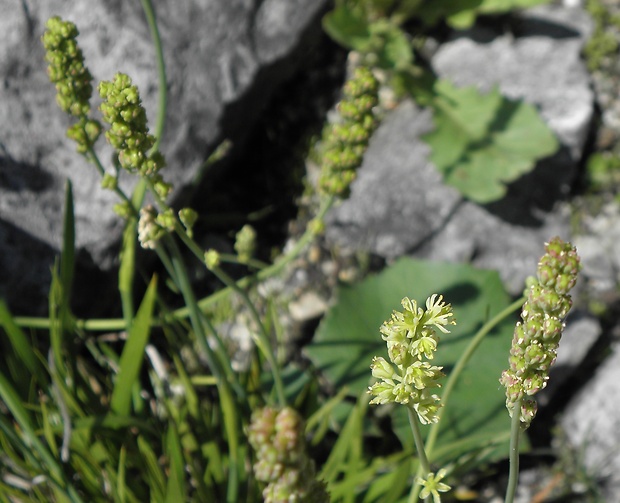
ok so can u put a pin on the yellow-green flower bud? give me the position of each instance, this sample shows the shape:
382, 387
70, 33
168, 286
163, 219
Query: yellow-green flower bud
212, 259
188, 218
245, 243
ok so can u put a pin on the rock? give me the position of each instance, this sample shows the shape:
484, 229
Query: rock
399, 204
591, 425
224, 60
599, 246
580, 335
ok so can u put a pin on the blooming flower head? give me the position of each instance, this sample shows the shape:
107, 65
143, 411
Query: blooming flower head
432, 486
411, 338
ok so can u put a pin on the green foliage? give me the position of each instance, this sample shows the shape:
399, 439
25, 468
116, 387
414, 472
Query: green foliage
601, 49
154, 410
482, 142
348, 338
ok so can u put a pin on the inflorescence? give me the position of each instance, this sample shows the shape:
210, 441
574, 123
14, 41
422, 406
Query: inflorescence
346, 142
411, 337
282, 463
537, 336
72, 79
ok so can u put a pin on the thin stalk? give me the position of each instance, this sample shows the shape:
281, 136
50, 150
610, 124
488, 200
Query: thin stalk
515, 433
160, 121
262, 338
229, 407
456, 372
116, 324
414, 422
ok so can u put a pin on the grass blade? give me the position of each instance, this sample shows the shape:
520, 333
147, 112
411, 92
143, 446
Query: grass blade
133, 352
21, 345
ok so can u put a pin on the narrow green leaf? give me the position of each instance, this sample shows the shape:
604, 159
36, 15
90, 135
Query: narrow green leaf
155, 476
133, 352
347, 438
13, 402
67, 257
120, 476
21, 345
175, 490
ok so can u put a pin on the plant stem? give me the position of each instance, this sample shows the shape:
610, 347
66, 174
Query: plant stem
515, 433
458, 369
149, 12
262, 338
424, 467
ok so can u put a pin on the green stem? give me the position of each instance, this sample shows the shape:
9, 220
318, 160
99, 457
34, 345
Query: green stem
149, 12
425, 466
262, 338
515, 433
458, 369
114, 324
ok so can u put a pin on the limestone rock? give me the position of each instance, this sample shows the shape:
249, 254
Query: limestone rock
224, 60
399, 204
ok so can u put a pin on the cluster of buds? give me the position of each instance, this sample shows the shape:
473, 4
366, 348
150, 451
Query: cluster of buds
128, 134
411, 338
346, 142
537, 336
245, 243
72, 80
282, 462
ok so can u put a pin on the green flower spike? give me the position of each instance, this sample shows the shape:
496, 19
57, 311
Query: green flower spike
282, 463
537, 336
411, 338
432, 485
128, 134
73, 81
345, 143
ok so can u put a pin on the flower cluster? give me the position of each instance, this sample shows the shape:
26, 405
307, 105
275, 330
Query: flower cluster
149, 229
245, 243
277, 438
537, 336
432, 485
346, 142
411, 338
128, 134
72, 79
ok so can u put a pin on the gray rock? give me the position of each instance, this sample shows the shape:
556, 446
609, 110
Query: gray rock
224, 60
580, 335
399, 204
592, 425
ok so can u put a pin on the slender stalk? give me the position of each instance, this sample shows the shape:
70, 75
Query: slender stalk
262, 338
455, 374
115, 324
160, 121
425, 466
515, 433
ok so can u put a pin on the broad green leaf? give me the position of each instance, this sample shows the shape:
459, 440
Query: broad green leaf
391, 45
482, 142
461, 14
349, 337
348, 28
133, 353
